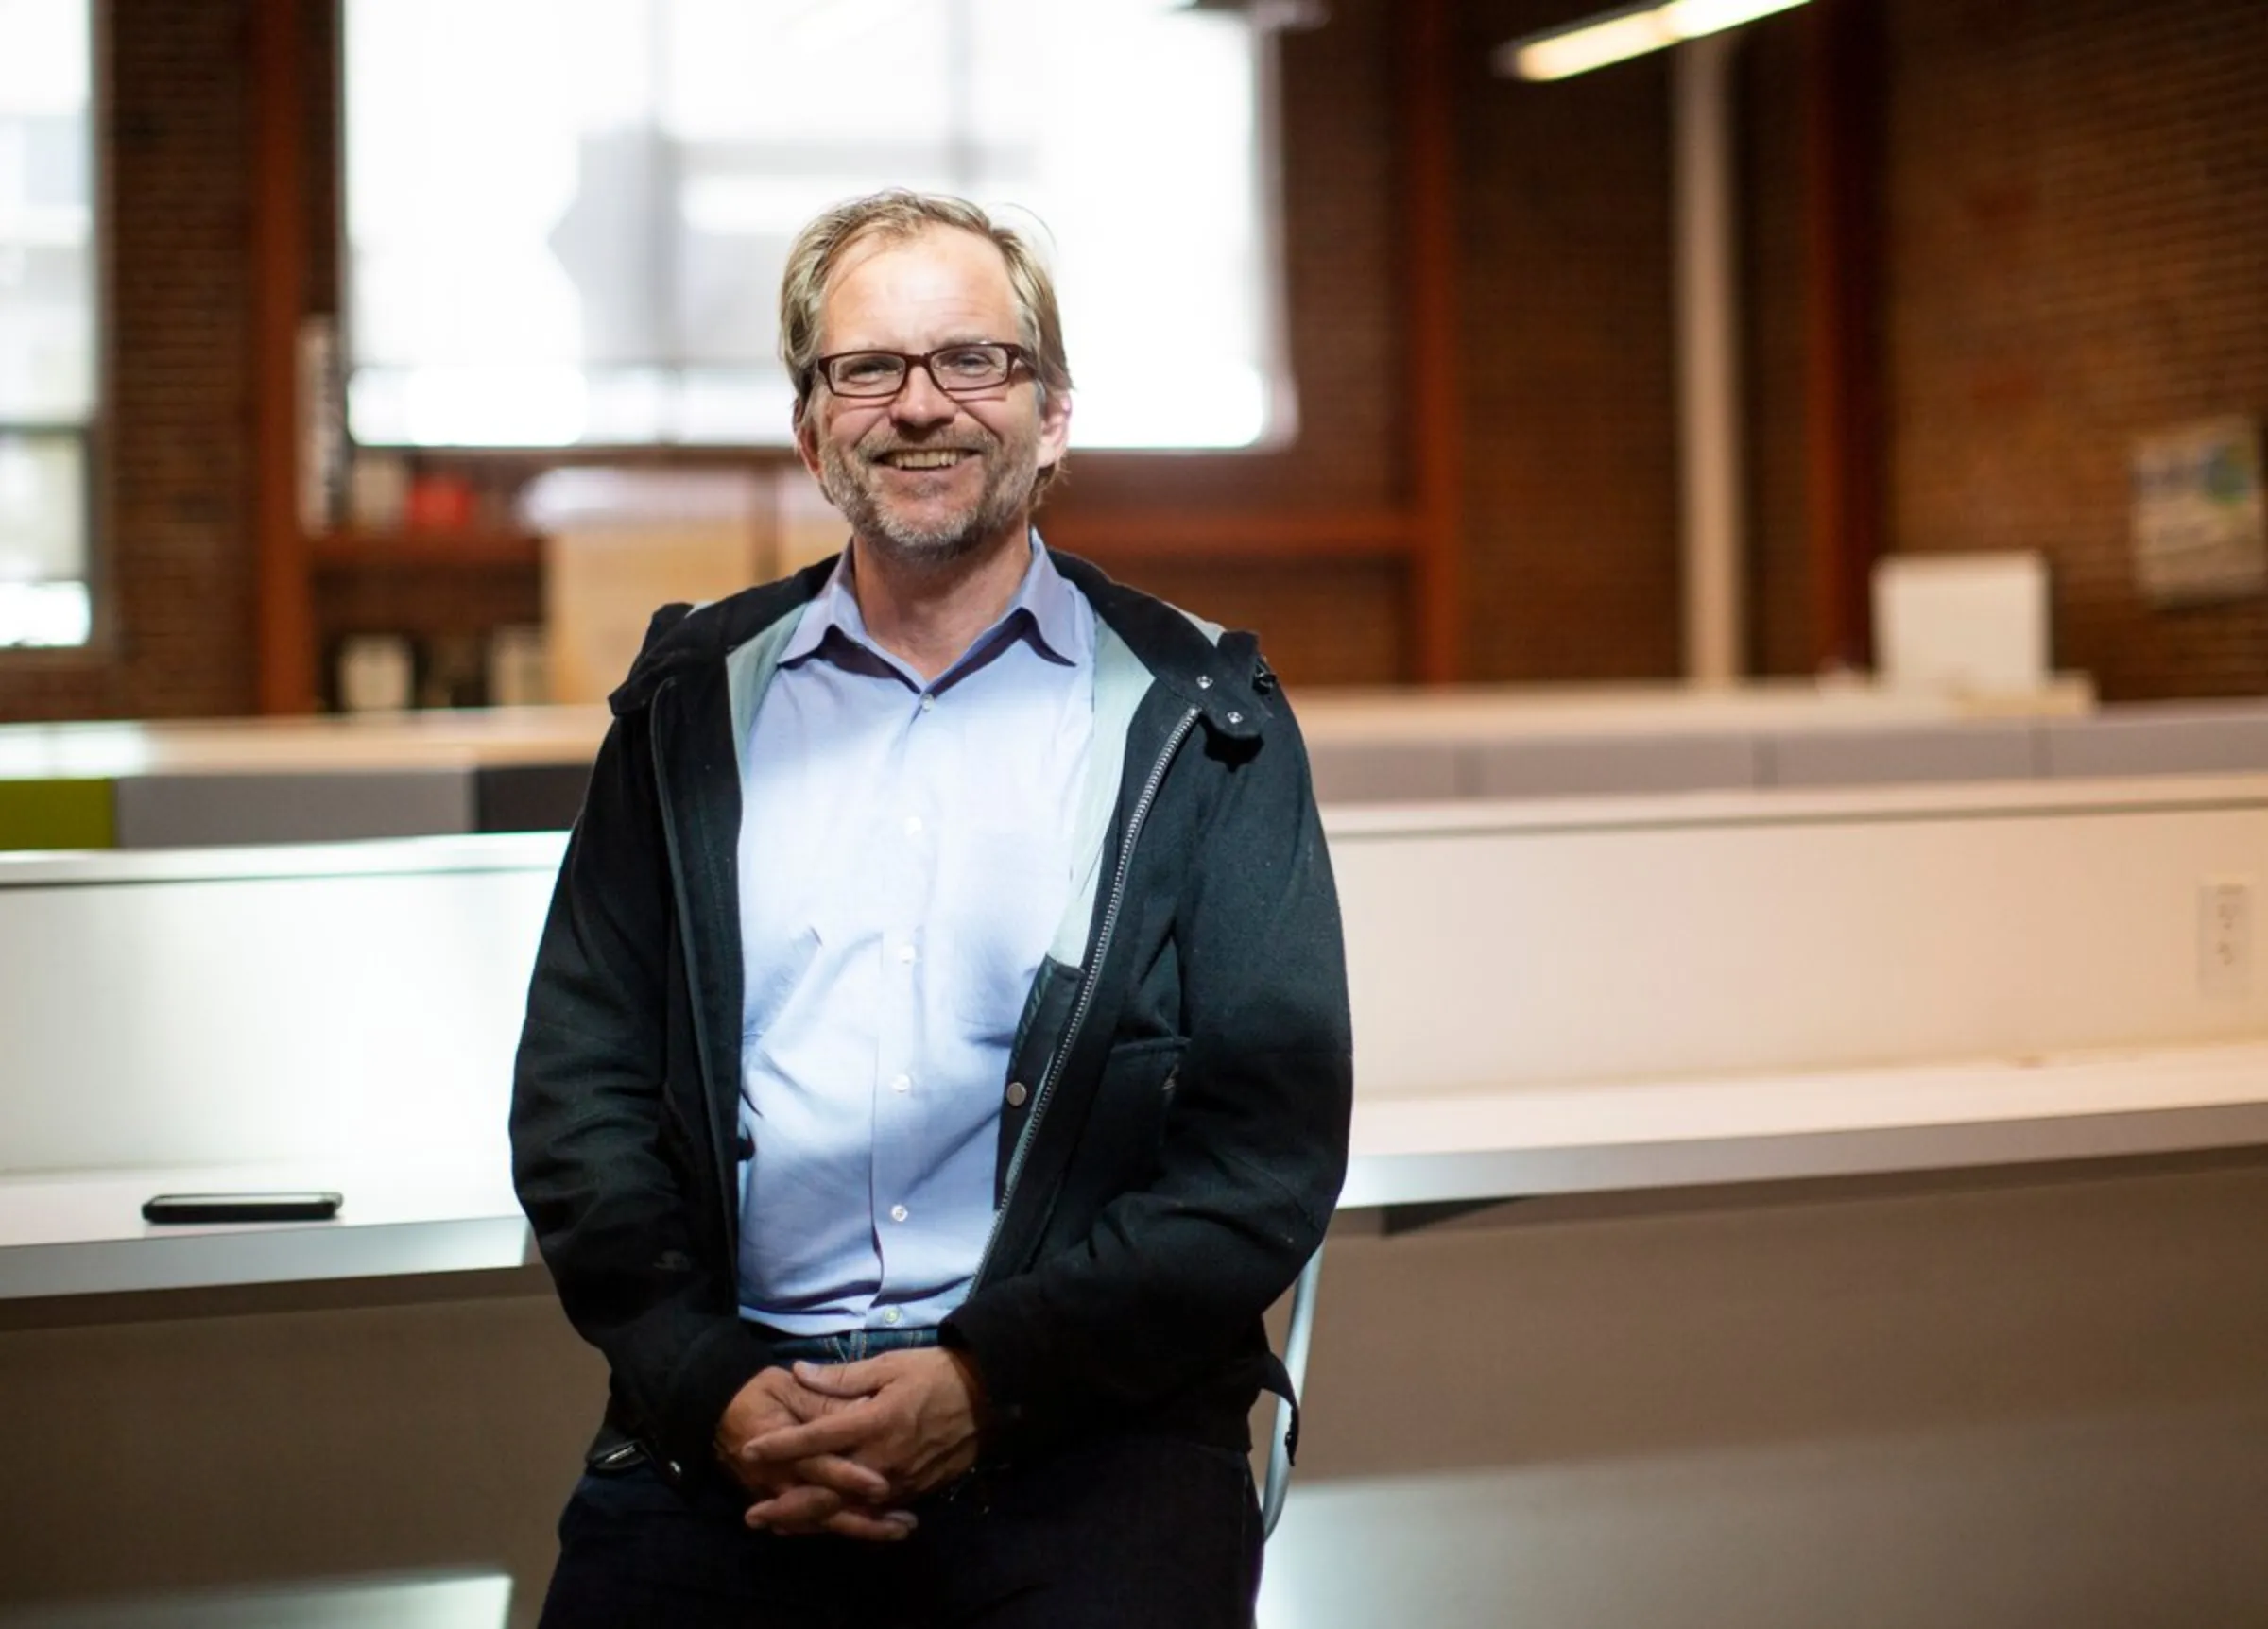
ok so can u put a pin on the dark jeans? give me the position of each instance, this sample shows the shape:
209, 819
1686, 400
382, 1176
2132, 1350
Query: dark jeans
1125, 1532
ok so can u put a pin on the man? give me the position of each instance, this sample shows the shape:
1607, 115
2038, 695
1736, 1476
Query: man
937, 1054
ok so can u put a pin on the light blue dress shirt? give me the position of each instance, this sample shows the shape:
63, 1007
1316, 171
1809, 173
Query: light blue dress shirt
905, 851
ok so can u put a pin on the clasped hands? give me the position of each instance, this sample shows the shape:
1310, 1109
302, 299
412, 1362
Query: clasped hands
843, 1447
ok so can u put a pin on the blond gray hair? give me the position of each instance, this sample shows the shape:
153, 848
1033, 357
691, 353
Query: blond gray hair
898, 213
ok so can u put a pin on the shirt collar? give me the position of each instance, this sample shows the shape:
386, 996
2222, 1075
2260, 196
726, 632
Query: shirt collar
1056, 625
1047, 604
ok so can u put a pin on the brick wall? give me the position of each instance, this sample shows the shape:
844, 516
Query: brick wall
2078, 197
2075, 203
174, 618
1571, 462
2078, 240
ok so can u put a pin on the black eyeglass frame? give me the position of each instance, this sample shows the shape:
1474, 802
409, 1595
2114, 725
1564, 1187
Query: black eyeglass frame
911, 360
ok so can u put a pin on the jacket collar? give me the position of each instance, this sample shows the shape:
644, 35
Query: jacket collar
683, 637
1222, 676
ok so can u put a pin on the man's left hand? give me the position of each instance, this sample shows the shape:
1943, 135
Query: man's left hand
911, 1416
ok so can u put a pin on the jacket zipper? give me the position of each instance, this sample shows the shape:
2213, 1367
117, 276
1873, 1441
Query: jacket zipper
1087, 985
693, 971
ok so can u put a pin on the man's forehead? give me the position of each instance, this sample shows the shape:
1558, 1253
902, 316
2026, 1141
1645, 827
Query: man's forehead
932, 238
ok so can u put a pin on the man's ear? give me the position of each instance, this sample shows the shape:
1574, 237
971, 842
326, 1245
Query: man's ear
1055, 428
807, 438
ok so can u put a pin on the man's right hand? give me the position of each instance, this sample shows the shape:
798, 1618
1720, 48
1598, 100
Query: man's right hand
823, 1494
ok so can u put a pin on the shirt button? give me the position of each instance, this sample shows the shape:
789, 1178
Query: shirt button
928, 702
913, 824
1204, 681
891, 1314
897, 1213
906, 952
1017, 1093
902, 1083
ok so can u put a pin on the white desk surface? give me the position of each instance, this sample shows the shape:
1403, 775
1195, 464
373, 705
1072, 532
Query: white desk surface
432, 1600
446, 738
81, 1232
1472, 713
1793, 806
534, 851
441, 738
78, 1233
1927, 1117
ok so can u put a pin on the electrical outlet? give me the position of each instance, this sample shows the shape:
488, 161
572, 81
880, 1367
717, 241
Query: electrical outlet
2225, 938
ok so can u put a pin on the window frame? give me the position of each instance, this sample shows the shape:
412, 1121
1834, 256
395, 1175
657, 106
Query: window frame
91, 432
1276, 364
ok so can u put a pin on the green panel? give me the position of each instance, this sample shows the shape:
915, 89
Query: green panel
58, 815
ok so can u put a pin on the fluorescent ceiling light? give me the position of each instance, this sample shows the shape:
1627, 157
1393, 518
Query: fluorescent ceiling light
1632, 32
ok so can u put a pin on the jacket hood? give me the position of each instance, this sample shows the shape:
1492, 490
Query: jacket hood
685, 637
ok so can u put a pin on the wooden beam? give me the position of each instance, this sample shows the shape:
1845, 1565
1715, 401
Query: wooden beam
283, 613
1436, 414
356, 548
1222, 535
1844, 451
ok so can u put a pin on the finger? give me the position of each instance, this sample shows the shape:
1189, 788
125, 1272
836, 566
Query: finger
857, 1483
760, 1480
885, 1527
866, 1524
801, 1509
836, 1434
838, 1379
861, 1484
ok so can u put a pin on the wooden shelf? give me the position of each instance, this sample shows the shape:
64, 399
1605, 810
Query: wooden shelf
470, 546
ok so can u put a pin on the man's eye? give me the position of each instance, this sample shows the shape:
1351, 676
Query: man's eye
970, 362
866, 370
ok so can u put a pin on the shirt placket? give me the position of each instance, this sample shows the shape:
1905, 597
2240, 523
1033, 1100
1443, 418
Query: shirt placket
908, 839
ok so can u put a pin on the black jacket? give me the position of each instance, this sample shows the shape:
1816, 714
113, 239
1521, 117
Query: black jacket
1173, 1127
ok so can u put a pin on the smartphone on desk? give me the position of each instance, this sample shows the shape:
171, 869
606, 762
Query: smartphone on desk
275, 1207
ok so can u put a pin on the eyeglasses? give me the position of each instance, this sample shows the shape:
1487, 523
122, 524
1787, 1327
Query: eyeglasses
957, 369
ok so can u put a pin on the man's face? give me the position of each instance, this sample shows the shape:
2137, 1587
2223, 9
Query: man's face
925, 476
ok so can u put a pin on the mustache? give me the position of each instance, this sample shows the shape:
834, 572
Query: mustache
873, 450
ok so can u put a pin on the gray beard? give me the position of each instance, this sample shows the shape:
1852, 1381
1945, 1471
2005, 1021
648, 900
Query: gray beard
1007, 496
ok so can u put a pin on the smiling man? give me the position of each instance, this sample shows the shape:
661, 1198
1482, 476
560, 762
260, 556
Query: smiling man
937, 1057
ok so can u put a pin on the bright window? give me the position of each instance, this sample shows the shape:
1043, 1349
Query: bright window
48, 321
566, 219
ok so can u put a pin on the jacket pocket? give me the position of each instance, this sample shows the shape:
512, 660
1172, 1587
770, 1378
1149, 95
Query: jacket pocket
1126, 1129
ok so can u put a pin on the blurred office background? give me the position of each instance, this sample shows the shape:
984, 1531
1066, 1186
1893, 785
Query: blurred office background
362, 354
1984, 252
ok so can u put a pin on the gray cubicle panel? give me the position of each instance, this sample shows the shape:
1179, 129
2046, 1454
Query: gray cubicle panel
1982, 750
228, 809
1387, 771
528, 796
236, 1006
1606, 765
2186, 738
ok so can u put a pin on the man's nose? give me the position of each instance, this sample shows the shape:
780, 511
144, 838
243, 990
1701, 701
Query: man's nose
918, 400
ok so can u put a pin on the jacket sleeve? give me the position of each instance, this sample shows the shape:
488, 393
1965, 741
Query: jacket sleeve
604, 1163
1172, 1277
